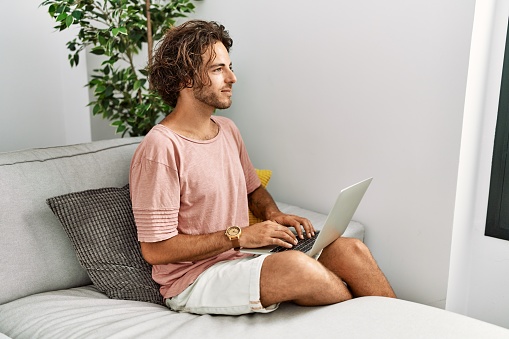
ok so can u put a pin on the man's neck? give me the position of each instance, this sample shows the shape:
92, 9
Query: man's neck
192, 124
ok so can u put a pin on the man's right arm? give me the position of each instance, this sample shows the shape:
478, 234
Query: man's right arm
183, 247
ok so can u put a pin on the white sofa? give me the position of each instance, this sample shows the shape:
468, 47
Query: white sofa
46, 293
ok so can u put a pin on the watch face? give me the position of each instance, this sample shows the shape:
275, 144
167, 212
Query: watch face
233, 231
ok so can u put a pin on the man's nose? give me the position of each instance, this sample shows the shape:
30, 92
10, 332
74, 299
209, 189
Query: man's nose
231, 78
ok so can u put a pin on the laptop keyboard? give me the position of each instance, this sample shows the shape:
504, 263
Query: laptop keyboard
303, 245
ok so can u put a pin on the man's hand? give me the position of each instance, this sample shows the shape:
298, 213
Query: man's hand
267, 233
296, 222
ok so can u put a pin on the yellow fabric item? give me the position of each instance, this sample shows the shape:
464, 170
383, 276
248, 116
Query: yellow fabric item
264, 176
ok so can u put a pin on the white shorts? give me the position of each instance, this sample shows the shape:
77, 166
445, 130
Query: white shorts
229, 287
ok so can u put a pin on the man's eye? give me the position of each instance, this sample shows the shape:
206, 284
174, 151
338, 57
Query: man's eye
217, 70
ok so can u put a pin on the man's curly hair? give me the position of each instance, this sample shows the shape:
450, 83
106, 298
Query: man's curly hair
177, 62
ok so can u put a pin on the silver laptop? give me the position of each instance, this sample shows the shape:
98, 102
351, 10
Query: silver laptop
336, 223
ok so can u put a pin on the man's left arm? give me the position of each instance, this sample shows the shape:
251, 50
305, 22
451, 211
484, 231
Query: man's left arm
264, 207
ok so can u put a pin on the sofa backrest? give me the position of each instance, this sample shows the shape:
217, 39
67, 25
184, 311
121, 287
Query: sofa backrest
35, 252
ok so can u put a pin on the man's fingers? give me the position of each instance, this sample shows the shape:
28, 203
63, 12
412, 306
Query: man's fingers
303, 223
293, 221
280, 232
308, 227
298, 228
285, 234
279, 242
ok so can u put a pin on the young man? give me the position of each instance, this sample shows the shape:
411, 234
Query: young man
191, 183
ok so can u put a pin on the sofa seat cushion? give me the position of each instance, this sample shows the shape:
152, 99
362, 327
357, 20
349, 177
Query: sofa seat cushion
84, 312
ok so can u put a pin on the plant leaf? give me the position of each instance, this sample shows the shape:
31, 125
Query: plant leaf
69, 20
96, 110
119, 30
98, 50
77, 15
137, 85
120, 129
62, 16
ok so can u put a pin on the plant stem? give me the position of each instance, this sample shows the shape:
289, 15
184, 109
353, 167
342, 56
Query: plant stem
149, 32
149, 36
131, 63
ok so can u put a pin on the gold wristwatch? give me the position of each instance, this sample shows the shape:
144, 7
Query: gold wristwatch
233, 233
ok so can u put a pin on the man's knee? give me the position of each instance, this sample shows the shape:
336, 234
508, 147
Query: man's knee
346, 252
357, 247
349, 247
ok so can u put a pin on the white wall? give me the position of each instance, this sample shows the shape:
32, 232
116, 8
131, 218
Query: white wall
479, 275
43, 100
331, 92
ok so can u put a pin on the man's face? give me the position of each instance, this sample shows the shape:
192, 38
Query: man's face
218, 94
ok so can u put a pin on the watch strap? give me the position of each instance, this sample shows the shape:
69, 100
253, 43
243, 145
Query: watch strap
236, 244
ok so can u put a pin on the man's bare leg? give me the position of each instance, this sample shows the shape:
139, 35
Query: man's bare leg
350, 259
294, 276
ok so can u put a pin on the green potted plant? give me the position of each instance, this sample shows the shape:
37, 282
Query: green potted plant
117, 30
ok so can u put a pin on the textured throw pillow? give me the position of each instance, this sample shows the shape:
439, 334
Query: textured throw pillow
264, 176
100, 225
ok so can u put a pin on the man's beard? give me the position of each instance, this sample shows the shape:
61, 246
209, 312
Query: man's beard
208, 97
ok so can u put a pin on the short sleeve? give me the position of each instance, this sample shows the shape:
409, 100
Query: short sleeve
155, 192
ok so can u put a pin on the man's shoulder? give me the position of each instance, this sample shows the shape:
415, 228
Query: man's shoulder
225, 123
157, 135
223, 120
156, 144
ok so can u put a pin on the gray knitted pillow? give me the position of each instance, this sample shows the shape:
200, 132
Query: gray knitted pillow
100, 225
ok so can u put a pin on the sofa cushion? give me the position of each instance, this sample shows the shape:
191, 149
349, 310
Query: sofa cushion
101, 227
86, 313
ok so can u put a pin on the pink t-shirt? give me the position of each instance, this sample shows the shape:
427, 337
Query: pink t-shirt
184, 186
